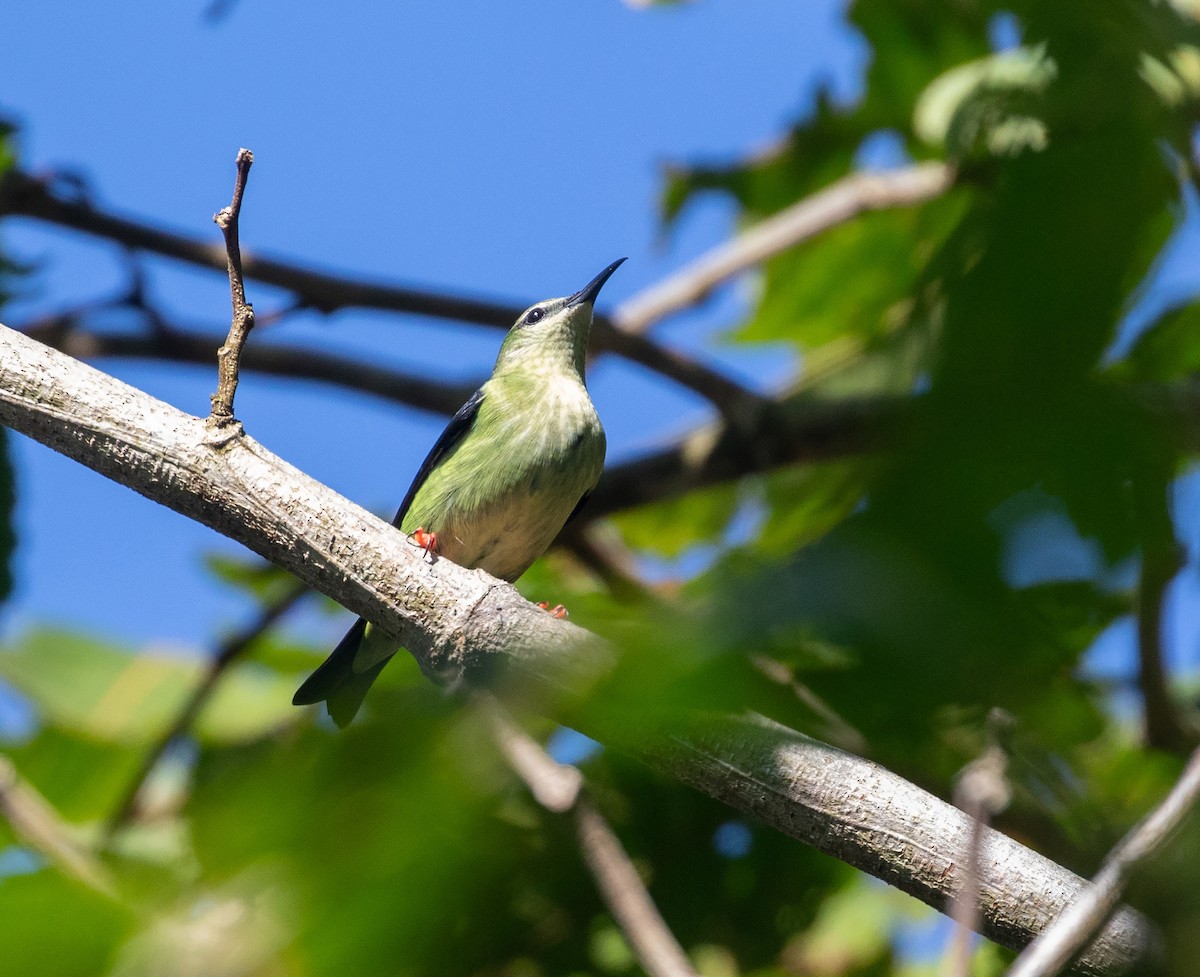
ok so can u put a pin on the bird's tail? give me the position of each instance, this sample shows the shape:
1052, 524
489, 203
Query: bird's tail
337, 683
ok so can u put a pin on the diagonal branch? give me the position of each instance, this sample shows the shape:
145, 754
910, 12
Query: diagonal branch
841, 201
229, 652
39, 826
464, 624
1059, 943
560, 789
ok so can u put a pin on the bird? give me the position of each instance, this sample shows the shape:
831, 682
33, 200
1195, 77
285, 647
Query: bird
514, 465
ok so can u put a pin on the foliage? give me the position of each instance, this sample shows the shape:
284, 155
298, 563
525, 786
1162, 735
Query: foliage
906, 594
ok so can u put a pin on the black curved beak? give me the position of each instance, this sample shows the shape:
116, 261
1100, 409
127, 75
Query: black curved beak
589, 291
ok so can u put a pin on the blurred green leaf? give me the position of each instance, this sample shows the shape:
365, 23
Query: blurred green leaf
107, 692
1170, 348
987, 107
670, 528
264, 581
854, 281
53, 926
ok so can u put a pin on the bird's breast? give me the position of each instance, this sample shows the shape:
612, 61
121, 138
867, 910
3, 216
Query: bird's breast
540, 452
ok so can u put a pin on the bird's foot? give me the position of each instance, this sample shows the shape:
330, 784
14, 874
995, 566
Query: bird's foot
425, 539
557, 610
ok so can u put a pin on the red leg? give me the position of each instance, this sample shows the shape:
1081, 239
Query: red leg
425, 539
557, 610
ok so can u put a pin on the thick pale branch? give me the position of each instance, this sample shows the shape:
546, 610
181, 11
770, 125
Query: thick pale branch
458, 622
859, 812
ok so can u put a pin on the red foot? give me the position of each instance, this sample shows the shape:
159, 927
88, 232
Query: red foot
557, 610
426, 540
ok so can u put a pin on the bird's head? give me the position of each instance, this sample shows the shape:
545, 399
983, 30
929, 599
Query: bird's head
552, 336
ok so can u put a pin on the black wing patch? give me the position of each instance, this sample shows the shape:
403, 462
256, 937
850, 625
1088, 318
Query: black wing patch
447, 441
579, 505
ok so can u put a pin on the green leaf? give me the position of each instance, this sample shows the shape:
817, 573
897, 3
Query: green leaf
988, 106
54, 927
670, 528
262, 580
106, 692
1170, 348
854, 281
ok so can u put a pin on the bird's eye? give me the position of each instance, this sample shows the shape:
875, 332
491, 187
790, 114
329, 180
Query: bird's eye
535, 315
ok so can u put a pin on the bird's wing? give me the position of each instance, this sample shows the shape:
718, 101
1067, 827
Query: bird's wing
578, 505
455, 431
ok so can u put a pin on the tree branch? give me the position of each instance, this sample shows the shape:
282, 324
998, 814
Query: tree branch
230, 352
37, 825
1057, 944
229, 652
560, 789
839, 202
67, 331
23, 194
463, 623
788, 431
982, 792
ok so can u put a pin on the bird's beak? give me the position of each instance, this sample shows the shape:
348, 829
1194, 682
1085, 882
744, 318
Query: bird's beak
589, 291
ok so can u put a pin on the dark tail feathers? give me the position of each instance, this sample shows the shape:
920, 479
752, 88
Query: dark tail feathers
336, 683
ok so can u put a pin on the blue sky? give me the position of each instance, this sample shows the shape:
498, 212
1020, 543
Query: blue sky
506, 150
503, 150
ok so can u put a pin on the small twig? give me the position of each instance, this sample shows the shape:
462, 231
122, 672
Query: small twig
21, 193
37, 824
68, 331
981, 793
623, 890
837, 729
243, 313
229, 652
802, 221
1071, 931
559, 788
553, 785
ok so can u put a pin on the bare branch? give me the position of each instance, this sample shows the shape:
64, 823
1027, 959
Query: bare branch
1059, 942
629, 902
981, 793
38, 825
23, 194
558, 788
555, 786
229, 652
68, 332
458, 622
839, 202
789, 431
859, 812
230, 352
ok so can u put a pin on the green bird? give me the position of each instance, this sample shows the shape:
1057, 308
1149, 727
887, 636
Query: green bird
512, 467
